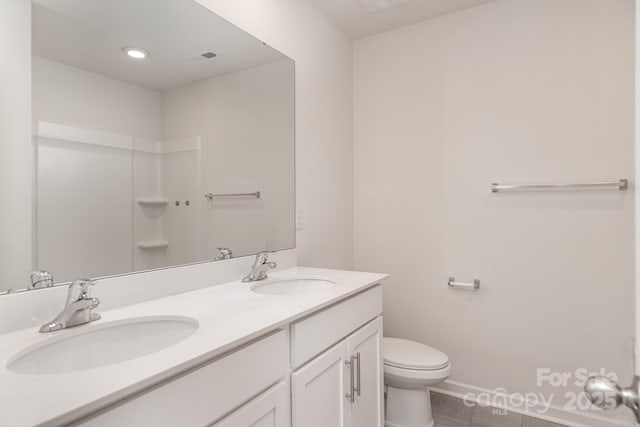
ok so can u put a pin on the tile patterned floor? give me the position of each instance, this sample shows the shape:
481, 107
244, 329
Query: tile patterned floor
451, 412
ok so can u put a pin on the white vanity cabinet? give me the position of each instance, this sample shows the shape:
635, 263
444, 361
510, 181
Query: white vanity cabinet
343, 385
205, 394
327, 372
271, 409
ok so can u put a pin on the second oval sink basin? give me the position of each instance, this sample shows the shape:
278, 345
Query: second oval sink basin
102, 345
293, 286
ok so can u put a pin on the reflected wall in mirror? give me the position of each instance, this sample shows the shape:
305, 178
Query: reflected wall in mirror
126, 150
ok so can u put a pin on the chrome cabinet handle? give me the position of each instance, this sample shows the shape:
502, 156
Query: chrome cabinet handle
351, 396
357, 388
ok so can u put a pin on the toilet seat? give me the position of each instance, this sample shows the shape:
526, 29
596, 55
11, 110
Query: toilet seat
405, 354
412, 378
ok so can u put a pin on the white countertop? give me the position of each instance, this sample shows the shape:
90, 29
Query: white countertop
229, 315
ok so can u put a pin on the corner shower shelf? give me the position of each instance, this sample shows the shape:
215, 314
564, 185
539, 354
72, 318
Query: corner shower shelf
152, 201
152, 244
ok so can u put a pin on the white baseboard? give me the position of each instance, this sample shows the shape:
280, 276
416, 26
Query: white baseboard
556, 414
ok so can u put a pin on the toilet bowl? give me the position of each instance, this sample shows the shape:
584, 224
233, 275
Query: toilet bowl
409, 369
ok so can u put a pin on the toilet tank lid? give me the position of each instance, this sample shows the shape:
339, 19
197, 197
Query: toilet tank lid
412, 355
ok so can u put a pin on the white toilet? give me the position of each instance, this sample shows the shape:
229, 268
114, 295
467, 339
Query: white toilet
409, 368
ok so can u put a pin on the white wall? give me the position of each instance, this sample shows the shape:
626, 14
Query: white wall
84, 224
74, 97
15, 147
511, 92
324, 149
246, 121
183, 224
68, 209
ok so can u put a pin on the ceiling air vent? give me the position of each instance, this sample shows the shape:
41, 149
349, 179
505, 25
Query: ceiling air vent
204, 56
373, 6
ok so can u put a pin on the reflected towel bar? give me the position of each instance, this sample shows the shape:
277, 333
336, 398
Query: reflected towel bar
212, 196
622, 185
453, 284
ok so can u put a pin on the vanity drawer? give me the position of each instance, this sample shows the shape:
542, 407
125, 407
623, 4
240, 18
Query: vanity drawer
310, 336
203, 395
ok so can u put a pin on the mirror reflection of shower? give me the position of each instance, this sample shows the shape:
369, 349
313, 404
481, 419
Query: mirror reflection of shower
145, 132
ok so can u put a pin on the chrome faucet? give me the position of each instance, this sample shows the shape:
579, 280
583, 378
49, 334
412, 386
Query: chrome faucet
41, 279
260, 268
225, 253
77, 309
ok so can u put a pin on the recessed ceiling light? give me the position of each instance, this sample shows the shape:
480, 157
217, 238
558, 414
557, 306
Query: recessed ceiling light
373, 6
135, 52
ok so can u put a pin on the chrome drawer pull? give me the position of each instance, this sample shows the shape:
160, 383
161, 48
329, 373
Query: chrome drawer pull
357, 357
351, 396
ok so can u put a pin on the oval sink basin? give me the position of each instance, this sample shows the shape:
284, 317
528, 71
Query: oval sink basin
292, 286
102, 345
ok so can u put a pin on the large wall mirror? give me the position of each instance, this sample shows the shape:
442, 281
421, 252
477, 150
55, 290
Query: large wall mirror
161, 133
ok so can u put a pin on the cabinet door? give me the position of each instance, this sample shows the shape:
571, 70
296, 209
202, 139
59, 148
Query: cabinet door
367, 410
268, 410
318, 391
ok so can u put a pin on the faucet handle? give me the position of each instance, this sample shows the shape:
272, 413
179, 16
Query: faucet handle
41, 279
81, 288
262, 257
225, 253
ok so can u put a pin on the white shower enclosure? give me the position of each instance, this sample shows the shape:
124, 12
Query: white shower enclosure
109, 204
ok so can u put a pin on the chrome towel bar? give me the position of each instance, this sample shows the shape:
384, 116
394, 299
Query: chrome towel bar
622, 185
453, 284
212, 196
